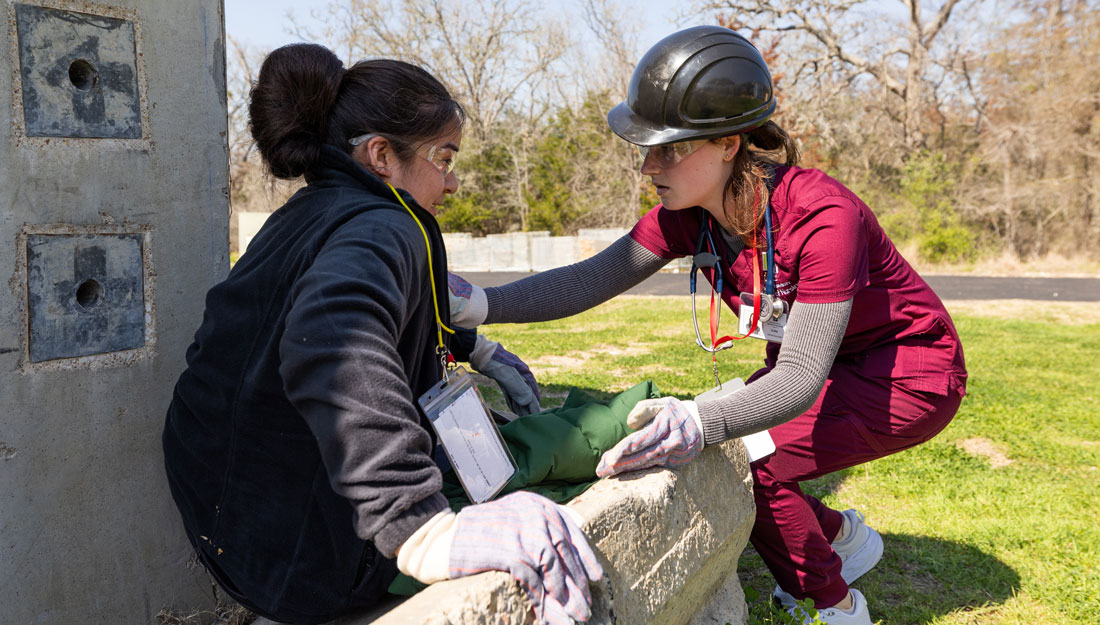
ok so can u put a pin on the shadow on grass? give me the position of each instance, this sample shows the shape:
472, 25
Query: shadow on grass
918, 580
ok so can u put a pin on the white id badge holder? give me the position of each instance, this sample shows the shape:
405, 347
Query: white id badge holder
759, 444
471, 440
767, 328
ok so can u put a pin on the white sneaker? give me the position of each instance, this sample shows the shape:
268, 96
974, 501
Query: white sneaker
857, 615
859, 552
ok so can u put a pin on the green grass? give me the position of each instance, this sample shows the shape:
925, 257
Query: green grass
966, 541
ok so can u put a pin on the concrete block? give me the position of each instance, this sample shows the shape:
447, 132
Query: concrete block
602, 234
551, 252
669, 542
85, 294
79, 74
592, 241
462, 252
248, 224
498, 250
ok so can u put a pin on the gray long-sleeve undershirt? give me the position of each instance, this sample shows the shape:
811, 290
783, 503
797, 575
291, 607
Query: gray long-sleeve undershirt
810, 340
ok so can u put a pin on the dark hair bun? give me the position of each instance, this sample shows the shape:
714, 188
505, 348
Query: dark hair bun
289, 106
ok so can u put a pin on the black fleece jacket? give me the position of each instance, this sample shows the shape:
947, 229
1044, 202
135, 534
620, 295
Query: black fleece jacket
295, 449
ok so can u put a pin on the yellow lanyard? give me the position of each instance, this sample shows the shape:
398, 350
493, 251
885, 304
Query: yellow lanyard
442, 350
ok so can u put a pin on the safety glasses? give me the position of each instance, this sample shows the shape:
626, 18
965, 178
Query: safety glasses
669, 154
442, 157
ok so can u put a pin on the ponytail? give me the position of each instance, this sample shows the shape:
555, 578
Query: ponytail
747, 193
289, 106
305, 99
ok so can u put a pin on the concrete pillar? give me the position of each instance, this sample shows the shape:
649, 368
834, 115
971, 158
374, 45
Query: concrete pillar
114, 222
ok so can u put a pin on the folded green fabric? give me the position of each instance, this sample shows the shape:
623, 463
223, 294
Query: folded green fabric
556, 451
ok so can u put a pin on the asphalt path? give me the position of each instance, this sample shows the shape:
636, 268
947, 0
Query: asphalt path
947, 287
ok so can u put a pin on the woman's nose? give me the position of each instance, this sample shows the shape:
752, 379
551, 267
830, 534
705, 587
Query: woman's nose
649, 165
450, 182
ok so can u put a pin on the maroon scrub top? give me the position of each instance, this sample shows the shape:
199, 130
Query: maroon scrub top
828, 248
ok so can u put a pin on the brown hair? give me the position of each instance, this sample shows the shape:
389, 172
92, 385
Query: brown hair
748, 184
304, 99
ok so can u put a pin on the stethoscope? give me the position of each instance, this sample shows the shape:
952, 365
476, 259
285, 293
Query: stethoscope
765, 305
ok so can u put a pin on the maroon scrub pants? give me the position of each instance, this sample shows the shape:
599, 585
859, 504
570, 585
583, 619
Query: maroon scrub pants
864, 412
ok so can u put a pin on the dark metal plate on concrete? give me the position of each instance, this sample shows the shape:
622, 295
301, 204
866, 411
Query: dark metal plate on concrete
79, 74
85, 294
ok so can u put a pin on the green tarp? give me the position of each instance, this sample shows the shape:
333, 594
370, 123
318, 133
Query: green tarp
556, 451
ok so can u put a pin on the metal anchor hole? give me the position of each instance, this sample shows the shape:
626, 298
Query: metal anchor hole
83, 75
89, 294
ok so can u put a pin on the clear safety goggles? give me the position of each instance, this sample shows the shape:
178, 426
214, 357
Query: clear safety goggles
669, 154
443, 158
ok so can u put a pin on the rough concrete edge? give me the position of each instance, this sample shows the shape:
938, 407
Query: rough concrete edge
17, 128
495, 597
18, 284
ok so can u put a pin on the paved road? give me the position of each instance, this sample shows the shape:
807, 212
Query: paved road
947, 287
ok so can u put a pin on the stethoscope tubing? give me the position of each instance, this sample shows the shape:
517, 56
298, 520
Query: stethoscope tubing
769, 276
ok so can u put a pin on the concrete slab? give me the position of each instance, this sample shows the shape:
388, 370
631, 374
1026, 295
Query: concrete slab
669, 542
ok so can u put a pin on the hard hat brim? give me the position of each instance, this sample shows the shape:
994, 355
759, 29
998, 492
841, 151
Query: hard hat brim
640, 131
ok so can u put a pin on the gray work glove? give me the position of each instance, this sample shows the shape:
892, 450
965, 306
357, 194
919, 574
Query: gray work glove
516, 381
539, 543
668, 433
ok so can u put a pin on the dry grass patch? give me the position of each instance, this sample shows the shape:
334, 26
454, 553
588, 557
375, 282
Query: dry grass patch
1007, 264
979, 446
560, 362
1065, 313
634, 349
226, 613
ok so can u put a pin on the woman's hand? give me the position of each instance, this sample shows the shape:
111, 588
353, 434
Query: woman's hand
536, 541
516, 381
671, 435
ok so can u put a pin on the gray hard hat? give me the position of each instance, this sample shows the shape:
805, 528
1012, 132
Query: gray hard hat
698, 83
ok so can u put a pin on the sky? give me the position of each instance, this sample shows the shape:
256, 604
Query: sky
263, 24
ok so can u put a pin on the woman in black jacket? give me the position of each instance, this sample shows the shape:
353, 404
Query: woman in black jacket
295, 450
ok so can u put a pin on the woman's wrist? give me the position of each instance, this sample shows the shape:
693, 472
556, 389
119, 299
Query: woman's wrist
425, 555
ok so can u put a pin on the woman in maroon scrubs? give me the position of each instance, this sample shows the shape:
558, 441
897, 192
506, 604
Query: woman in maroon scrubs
862, 361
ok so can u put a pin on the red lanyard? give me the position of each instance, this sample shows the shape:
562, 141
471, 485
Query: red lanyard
714, 309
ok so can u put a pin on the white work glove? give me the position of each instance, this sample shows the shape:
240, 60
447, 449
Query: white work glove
469, 306
535, 540
670, 435
516, 381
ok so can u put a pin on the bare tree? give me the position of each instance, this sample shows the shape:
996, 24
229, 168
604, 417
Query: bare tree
616, 33
250, 188
501, 59
241, 146
497, 55
845, 41
1035, 186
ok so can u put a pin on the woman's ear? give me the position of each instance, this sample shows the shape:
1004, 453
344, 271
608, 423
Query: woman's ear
376, 156
731, 145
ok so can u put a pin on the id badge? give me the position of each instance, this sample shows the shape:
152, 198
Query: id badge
767, 328
468, 435
759, 444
